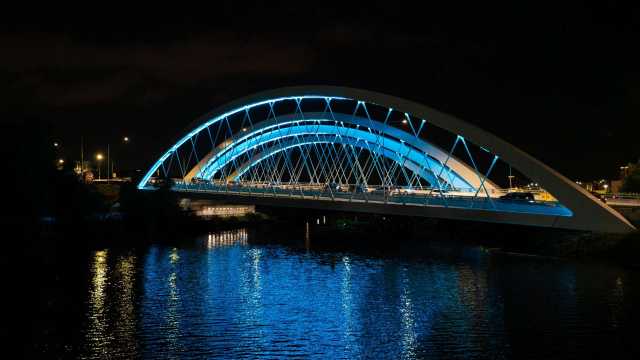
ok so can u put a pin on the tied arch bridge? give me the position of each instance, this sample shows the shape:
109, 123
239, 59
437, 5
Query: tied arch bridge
348, 149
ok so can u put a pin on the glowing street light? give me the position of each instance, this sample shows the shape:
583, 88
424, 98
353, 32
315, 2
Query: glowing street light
55, 144
99, 157
125, 139
60, 161
404, 121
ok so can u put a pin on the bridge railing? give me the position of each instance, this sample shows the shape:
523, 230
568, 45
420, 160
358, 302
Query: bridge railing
432, 198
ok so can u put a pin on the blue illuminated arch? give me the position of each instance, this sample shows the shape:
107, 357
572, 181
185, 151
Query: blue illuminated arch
416, 168
390, 146
425, 155
228, 110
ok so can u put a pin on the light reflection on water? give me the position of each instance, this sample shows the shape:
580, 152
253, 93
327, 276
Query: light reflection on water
112, 320
228, 298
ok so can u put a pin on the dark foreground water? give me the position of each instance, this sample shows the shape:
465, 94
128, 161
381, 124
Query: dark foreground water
224, 296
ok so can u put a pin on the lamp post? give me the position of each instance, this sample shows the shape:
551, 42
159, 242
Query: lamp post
125, 141
99, 157
510, 176
108, 162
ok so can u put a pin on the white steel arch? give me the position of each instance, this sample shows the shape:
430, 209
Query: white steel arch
588, 212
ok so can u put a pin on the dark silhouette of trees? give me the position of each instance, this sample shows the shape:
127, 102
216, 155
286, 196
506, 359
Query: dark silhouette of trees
631, 183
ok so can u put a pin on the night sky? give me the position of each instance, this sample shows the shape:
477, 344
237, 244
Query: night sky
562, 83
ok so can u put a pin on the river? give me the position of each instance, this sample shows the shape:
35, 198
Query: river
232, 295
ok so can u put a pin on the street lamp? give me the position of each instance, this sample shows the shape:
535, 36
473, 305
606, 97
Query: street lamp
55, 144
125, 139
60, 161
99, 157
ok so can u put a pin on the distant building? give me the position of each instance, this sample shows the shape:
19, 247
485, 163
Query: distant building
88, 177
625, 171
225, 211
207, 208
86, 166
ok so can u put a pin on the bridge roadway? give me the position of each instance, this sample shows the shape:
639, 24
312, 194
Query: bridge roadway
470, 207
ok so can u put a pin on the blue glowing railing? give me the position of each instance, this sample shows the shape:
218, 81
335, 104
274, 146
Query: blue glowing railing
551, 208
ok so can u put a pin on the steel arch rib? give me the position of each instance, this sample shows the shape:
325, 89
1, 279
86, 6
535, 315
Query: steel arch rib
589, 213
318, 138
250, 142
463, 175
326, 139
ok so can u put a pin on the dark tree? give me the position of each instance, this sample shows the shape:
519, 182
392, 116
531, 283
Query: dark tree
632, 181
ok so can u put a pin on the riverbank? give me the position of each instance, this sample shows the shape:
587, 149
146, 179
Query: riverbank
147, 218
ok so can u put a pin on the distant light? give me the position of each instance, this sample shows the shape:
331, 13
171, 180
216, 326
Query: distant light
60, 161
99, 156
404, 121
244, 129
126, 139
55, 144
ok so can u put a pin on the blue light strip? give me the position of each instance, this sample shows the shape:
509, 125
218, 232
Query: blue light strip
254, 140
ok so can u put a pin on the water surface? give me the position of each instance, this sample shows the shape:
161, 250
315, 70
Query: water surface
224, 295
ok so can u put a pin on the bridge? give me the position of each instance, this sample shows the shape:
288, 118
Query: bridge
348, 149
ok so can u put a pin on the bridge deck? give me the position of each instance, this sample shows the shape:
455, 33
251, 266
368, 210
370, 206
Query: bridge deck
539, 213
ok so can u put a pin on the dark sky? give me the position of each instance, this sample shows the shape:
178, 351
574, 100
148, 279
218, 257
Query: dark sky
562, 83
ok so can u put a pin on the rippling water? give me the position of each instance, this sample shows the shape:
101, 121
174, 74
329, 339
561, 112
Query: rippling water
225, 296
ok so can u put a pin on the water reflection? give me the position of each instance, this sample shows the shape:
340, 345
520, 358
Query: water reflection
97, 335
227, 238
409, 336
229, 298
348, 307
111, 306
